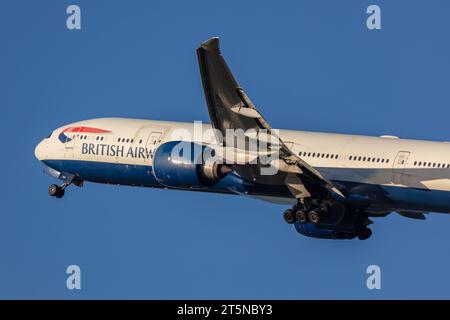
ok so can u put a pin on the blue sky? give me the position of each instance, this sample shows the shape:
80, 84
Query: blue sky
308, 65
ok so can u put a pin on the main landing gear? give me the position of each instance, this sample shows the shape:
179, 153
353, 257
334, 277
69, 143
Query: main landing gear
305, 213
302, 216
330, 215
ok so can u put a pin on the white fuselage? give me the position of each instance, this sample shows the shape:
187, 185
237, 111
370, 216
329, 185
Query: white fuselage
384, 171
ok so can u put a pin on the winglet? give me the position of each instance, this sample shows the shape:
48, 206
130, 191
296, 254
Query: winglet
211, 45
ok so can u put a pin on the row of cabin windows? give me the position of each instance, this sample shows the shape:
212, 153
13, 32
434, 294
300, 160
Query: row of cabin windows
431, 164
318, 155
84, 137
128, 140
368, 159
98, 138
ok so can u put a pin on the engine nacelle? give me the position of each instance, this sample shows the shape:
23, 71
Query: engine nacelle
310, 230
183, 164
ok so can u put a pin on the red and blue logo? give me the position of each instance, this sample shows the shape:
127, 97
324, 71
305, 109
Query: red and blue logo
64, 138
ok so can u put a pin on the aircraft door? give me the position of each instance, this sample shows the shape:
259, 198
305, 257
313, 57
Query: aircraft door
400, 161
398, 167
148, 139
153, 141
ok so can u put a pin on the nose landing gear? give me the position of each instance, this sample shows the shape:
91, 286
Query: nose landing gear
58, 191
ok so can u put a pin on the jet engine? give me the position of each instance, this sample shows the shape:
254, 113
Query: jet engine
185, 164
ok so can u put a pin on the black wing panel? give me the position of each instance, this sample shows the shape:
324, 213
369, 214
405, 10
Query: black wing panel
221, 90
230, 108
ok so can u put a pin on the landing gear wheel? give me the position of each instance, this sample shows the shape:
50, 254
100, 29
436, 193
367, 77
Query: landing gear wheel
314, 217
289, 216
301, 216
60, 193
55, 191
364, 234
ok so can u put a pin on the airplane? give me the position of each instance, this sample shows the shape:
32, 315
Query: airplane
333, 183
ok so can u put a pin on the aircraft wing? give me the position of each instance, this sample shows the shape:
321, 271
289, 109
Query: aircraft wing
230, 108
